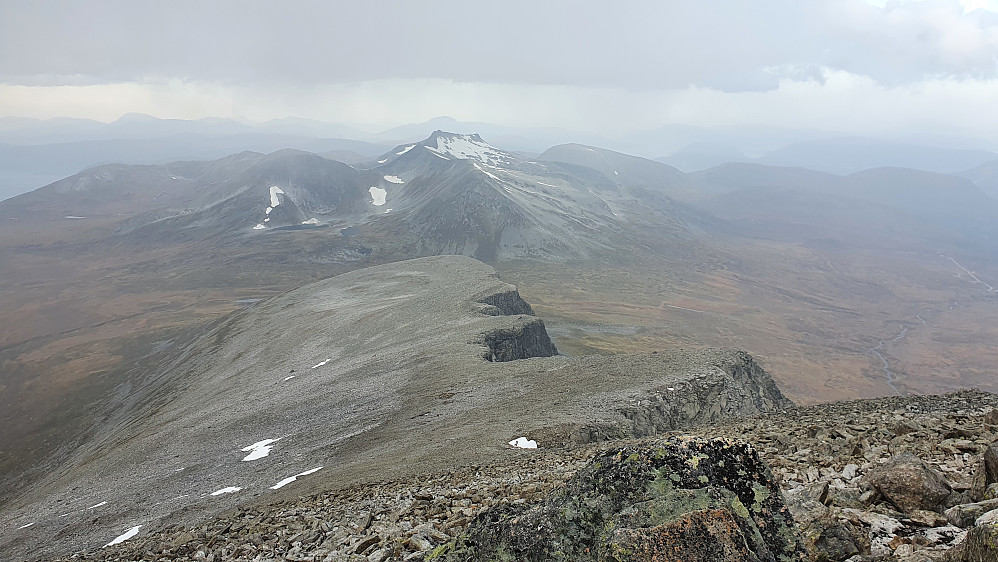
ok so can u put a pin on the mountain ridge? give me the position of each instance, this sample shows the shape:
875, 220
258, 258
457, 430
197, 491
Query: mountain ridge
363, 375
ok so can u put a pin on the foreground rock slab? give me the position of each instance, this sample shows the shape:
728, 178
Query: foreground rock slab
678, 499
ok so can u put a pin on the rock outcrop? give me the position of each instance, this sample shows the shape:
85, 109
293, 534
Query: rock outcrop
524, 341
508, 303
679, 499
729, 385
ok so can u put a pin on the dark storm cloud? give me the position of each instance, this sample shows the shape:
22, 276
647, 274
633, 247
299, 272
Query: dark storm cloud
728, 45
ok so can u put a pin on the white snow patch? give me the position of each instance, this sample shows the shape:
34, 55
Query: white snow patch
394, 179
378, 195
269, 209
480, 169
524, 443
284, 482
266, 219
316, 366
312, 220
382, 161
670, 389
98, 505
25, 526
291, 479
228, 490
406, 149
387, 211
127, 535
467, 148
274, 192
259, 227
259, 449
64, 515
286, 379
434, 152
615, 173
73, 217
547, 184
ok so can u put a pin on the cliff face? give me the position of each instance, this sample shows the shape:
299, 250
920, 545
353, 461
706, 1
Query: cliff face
524, 340
507, 302
521, 342
732, 385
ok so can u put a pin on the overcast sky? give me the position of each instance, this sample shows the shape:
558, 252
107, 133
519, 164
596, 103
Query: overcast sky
852, 66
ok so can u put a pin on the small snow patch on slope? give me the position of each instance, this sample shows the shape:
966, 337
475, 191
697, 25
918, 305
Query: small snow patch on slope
227, 490
378, 195
25, 526
311, 221
406, 149
291, 479
259, 449
128, 534
394, 179
274, 201
524, 443
493, 176
274, 192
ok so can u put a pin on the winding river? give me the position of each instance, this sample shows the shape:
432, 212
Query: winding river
889, 375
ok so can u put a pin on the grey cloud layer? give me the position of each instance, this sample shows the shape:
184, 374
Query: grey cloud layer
729, 45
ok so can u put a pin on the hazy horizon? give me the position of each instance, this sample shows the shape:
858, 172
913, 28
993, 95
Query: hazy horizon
847, 67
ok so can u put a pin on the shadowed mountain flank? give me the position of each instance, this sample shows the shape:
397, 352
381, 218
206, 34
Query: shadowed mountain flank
383, 372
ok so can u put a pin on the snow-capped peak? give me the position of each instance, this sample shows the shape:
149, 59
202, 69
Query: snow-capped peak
466, 147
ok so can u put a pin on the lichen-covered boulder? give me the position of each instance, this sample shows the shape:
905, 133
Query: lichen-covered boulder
981, 544
678, 499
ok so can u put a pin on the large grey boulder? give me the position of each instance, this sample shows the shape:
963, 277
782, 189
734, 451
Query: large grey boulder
910, 484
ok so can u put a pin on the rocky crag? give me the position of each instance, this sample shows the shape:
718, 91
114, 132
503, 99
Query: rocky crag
849, 474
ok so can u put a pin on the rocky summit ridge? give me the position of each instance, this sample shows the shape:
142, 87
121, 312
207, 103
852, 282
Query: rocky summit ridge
828, 463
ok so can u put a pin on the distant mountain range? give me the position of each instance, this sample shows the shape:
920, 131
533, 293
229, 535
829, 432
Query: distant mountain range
35, 152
